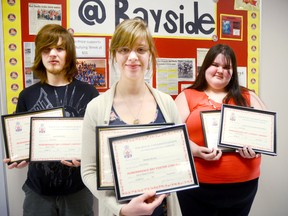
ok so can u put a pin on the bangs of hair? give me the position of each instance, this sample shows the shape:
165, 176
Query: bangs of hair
48, 37
227, 58
51, 41
127, 34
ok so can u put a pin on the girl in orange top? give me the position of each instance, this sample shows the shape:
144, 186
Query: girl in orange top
228, 180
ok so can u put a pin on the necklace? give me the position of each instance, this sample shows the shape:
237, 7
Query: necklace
209, 101
213, 105
136, 118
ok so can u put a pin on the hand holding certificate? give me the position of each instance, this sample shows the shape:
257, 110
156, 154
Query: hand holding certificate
242, 126
16, 130
161, 158
211, 127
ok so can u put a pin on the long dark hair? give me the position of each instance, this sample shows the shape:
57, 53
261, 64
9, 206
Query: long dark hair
233, 88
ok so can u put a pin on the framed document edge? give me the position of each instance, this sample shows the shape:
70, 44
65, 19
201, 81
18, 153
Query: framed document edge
6, 117
99, 129
31, 146
193, 173
272, 151
203, 115
228, 34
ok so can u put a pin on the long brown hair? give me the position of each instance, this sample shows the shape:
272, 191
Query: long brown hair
233, 88
48, 37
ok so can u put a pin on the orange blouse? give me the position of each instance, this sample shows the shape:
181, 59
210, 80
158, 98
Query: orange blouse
231, 167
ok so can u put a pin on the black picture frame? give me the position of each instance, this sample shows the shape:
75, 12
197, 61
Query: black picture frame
104, 169
55, 139
246, 126
16, 128
165, 164
211, 126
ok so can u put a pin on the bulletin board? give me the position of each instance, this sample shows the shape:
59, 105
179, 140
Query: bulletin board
183, 33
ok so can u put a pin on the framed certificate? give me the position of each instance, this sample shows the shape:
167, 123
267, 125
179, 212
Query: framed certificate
158, 159
16, 130
104, 169
243, 126
55, 138
211, 127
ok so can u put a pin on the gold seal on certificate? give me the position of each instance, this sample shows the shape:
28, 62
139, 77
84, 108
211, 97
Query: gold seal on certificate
104, 169
55, 139
16, 130
158, 159
243, 126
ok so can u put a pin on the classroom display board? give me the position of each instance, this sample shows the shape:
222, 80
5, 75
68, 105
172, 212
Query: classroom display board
183, 33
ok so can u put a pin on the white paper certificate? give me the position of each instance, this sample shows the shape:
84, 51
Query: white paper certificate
157, 159
16, 129
54, 139
105, 179
242, 126
211, 126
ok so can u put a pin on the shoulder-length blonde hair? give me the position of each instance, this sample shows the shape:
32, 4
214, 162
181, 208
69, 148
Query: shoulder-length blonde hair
127, 33
48, 37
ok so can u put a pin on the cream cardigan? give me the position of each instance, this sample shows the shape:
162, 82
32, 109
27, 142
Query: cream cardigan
98, 113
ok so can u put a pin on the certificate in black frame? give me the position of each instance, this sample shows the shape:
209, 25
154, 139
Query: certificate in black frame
102, 153
246, 126
55, 139
19, 117
212, 117
175, 176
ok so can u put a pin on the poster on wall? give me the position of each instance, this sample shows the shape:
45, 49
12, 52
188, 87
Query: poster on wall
231, 27
247, 5
29, 54
201, 53
242, 76
93, 72
170, 71
90, 47
179, 28
190, 19
42, 14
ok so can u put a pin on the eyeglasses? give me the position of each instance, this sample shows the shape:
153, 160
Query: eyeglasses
127, 50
